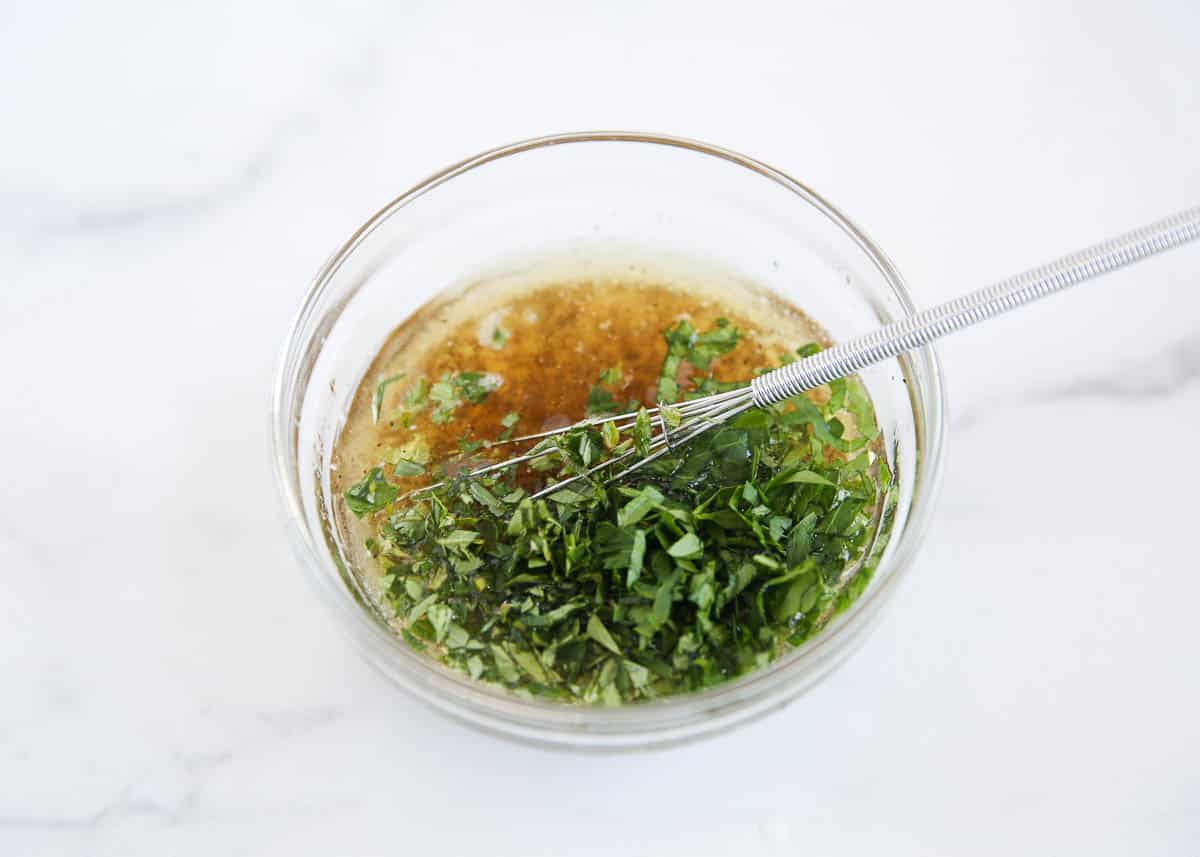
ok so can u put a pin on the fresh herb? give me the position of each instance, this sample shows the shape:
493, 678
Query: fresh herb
499, 338
453, 390
372, 494
445, 401
642, 431
508, 422
713, 343
466, 446
414, 402
602, 402
697, 349
377, 398
474, 387
403, 468
716, 558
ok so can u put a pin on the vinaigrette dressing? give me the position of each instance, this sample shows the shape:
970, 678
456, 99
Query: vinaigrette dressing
545, 344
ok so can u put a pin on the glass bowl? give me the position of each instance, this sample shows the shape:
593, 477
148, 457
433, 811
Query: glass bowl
596, 199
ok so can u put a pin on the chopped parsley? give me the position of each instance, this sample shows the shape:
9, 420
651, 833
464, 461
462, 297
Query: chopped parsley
380, 389
697, 349
404, 468
509, 422
453, 390
708, 564
373, 493
600, 401
414, 402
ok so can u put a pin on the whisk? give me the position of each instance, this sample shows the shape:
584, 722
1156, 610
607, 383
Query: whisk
676, 424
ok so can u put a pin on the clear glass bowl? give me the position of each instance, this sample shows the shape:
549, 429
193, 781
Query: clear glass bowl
592, 196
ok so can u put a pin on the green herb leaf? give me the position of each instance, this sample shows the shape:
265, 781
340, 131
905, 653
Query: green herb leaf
637, 557
505, 665
600, 403
404, 468
553, 617
641, 504
373, 493
487, 498
458, 539
440, 617
531, 665
445, 401
661, 610
860, 407
597, 631
642, 432
686, 547
509, 422
713, 343
475, 387
807, 477
380, 388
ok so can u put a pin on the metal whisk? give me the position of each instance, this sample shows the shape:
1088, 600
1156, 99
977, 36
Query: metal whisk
699, 415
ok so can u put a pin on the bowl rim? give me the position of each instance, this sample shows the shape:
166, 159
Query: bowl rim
669, 719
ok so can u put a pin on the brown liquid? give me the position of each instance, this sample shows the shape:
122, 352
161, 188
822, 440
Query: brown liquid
561, 336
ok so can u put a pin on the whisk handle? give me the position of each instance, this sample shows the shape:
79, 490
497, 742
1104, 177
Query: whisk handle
853, 355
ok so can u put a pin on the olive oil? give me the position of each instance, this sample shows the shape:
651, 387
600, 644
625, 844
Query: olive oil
546, 345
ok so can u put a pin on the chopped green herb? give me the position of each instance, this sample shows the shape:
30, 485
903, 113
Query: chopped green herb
474, 387
688, 546
414, 402
713, 343
600, 402
641, 504
373, 493
597, 631
466, 447
708, 564
642, 431
697, 349
509, 422
404, 468
377, 398
445, 401
452, 391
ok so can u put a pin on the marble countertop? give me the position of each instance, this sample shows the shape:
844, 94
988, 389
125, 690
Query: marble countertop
173, 177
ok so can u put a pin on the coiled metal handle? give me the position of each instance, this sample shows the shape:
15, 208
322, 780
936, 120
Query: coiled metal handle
849, 357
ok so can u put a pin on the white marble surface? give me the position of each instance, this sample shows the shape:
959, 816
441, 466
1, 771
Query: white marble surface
171, 179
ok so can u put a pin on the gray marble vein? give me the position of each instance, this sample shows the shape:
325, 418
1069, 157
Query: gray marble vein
57, 219
1174, 369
